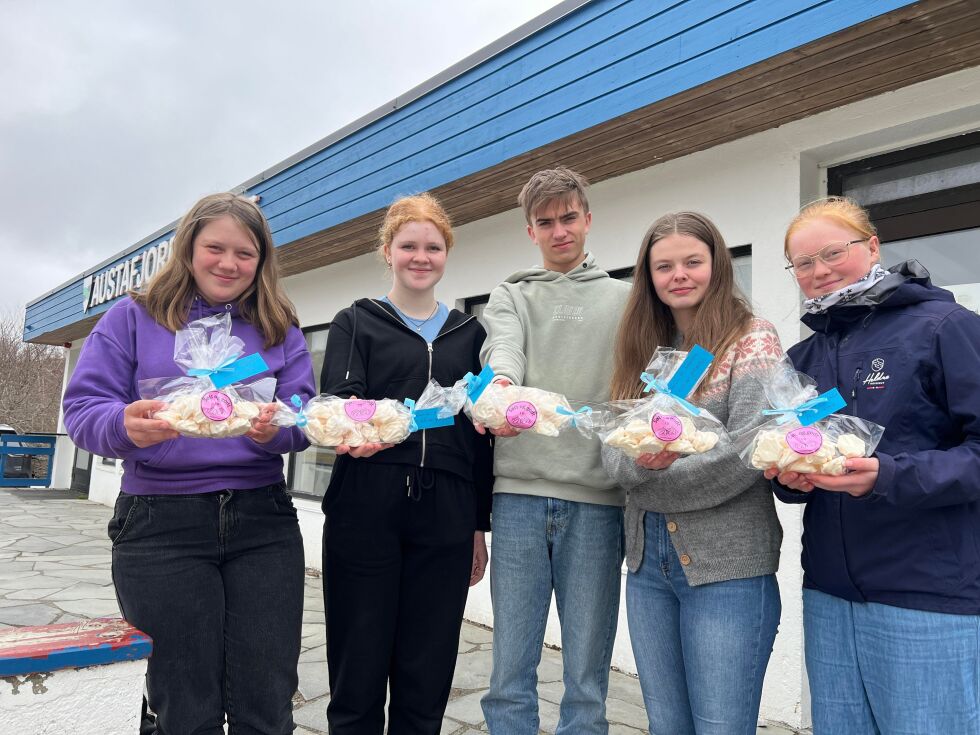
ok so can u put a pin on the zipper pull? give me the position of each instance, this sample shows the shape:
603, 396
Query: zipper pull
854, 385
429, 345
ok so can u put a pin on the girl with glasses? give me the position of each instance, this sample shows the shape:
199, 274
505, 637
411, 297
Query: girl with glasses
891, 599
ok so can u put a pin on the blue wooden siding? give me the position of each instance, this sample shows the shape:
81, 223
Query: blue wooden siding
64, 306
605, 59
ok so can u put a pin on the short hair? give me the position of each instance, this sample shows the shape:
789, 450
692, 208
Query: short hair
841, 210
553, 184
416, 208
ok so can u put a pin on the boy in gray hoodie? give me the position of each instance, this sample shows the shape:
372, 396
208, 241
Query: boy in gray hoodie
557, 517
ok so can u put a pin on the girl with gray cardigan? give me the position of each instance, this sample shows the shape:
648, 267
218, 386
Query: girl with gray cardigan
702, 537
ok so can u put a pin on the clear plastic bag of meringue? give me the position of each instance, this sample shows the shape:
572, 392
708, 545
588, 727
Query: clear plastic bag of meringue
329, 421
211, 400
666, 421
522, 408
805, 435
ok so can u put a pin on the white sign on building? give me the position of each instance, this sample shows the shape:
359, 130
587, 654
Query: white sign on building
116, 281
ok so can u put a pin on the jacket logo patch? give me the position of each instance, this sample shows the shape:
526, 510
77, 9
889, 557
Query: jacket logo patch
568, 313
876, 380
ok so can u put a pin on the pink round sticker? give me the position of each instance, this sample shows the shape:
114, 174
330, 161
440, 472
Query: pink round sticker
666, 426
216, 405
522, 415
359, 410
805, 440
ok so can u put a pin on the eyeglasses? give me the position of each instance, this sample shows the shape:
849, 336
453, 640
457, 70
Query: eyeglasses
832, 254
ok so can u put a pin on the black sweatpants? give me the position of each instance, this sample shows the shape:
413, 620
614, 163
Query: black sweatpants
397, 553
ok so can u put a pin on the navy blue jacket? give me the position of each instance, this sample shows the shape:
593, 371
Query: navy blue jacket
907, 357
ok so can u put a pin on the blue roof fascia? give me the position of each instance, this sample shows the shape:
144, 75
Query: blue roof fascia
603, 61
66, 305
595, 63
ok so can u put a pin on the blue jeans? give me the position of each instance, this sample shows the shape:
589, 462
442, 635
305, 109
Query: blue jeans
882, 669
575, 549
216, 580
701, 652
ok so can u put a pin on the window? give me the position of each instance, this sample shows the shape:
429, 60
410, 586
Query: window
925, 202
952, 259
741, 261
742, 264
476, 305
310, 470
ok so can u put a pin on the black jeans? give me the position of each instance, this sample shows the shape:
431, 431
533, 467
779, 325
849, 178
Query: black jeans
216, 580
397, 552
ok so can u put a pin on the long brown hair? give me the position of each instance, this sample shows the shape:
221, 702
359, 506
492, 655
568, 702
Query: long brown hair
722, 317
168, 296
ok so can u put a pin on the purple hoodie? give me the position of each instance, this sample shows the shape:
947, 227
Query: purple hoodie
127, 346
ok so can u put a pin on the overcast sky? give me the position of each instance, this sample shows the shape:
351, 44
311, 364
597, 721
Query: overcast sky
115, 116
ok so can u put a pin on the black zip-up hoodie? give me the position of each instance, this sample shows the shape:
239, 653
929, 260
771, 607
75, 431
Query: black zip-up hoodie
372, 354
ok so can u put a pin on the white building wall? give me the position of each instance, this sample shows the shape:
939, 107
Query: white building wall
104, 482
64, 452
96, 700
751, 188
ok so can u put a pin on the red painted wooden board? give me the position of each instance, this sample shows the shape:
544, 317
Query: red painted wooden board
38, 648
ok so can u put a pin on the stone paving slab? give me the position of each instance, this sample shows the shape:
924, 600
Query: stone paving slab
54, 567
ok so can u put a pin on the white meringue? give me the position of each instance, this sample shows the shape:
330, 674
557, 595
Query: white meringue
329, 425
185, 415
770, 450
636, 437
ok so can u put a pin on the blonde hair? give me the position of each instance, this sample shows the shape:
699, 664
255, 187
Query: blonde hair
841, 210
417, 208
722, 317
553, 184
168, 296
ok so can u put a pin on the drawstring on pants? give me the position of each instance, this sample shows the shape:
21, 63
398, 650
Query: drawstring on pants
418, 479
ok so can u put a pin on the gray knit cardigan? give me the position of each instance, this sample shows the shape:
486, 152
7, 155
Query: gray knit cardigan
722, 512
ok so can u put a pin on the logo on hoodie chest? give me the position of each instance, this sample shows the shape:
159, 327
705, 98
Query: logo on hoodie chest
568, 313
877, 378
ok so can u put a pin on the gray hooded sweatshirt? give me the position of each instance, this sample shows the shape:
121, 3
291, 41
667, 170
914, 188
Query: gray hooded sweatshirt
555, 331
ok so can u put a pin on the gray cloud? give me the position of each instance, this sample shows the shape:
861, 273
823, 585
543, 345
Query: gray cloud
116, 116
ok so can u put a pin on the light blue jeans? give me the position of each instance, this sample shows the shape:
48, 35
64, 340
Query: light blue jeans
883, 669
576, 549
701, 652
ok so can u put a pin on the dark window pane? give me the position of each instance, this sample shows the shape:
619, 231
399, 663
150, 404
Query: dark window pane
952, 258
310, 469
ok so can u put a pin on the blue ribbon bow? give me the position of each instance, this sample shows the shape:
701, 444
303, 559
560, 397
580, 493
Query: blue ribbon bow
413, 427
809, 412
660, 386
426, 418
208, 372
475, 384
688, 374
232, 370
301, 419
585, 411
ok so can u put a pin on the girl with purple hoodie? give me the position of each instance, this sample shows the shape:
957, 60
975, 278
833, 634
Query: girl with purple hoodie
207, 556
